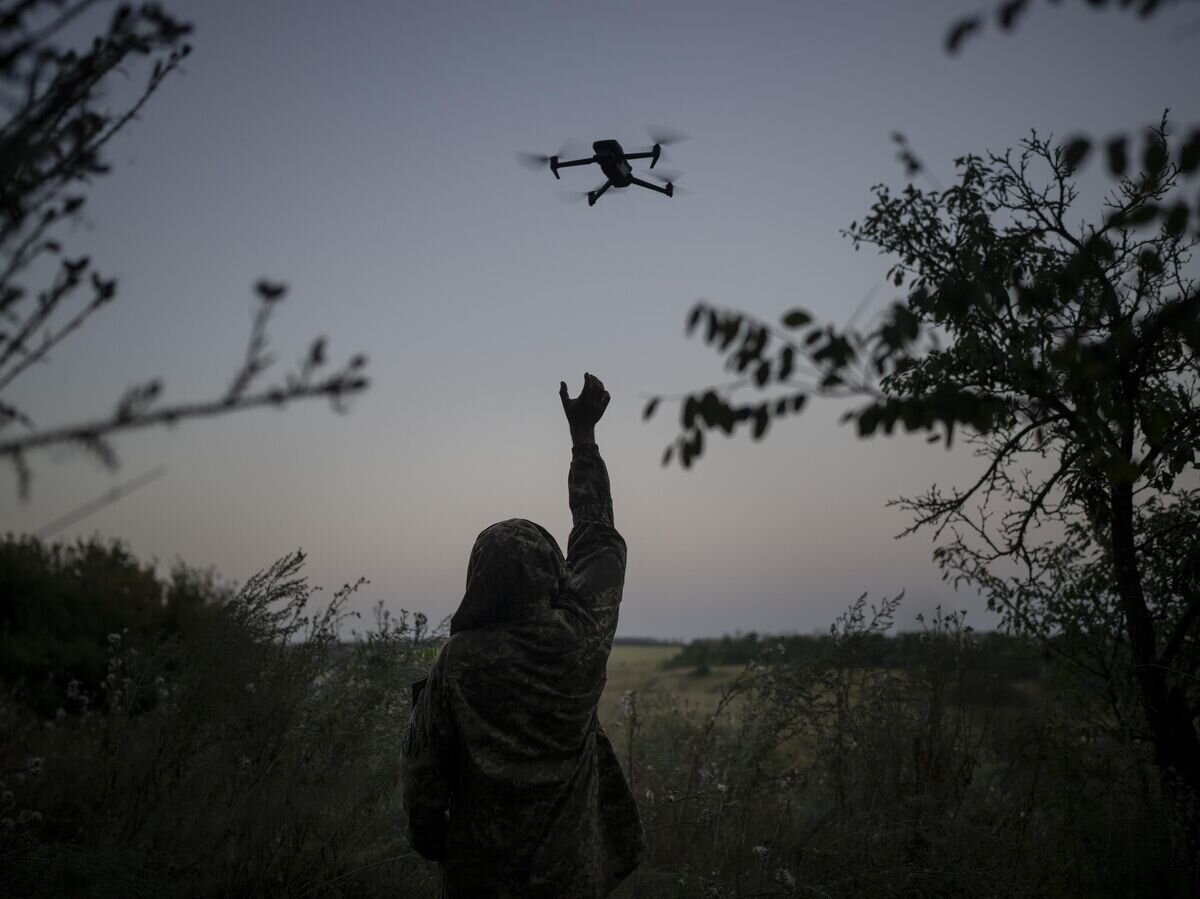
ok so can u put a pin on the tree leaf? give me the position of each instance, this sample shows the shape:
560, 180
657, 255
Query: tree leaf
1009, 12
1177, 219
796, 318
1076, 152
1118, 157
650, 407
762, 420
1189, 155
960, 31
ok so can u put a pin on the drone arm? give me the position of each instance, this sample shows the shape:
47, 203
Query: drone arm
652, 155
594, 195
563, 165
669, 190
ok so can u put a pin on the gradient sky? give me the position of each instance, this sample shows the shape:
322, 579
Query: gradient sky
363, 153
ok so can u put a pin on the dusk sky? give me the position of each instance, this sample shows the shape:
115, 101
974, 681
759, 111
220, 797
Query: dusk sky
364, 154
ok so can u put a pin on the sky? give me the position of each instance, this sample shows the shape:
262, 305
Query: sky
364, 154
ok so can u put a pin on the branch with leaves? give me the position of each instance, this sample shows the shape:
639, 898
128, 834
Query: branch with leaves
139, 407
52, 146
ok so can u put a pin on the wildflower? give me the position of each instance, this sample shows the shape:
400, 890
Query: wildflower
721, 788
627, 703
785, 877
760, 851
649, 795
114, 640
251, 687
244, 761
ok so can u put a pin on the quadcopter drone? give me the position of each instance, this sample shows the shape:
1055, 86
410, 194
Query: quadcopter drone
614, 162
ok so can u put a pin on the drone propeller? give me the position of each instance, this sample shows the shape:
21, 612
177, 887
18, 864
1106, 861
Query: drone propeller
666, 176
534, 161
664, 136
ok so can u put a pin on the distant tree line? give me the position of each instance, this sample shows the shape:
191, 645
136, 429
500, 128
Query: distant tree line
995, 653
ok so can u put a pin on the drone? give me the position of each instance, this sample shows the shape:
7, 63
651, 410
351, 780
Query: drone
614, 162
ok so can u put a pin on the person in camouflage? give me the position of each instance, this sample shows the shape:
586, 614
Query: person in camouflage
508, 779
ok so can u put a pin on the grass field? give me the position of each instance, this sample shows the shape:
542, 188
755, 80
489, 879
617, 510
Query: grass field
639, 668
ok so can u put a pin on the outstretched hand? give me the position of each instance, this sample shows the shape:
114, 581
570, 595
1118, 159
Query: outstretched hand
586, 409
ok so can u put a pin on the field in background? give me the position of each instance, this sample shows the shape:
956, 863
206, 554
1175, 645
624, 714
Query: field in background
640, 668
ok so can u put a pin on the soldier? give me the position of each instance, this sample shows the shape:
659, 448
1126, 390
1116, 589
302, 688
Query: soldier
509, 780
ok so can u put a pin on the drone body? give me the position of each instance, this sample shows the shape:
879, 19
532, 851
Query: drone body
614, 162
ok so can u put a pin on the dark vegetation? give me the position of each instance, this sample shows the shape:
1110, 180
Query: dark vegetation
194, 738
185, 738
998, 658
1060, 338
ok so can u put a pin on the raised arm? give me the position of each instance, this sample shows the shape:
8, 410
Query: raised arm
595, 551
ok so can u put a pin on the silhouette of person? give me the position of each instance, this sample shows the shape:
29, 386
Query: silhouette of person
509, 781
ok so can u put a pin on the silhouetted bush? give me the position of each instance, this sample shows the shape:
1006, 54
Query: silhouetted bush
248, 753
251, 752
59, 604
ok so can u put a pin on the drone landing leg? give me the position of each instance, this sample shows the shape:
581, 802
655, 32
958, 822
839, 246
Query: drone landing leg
594, 195
669, 190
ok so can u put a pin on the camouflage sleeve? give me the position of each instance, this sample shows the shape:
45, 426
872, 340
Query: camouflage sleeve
595, 551
425, 787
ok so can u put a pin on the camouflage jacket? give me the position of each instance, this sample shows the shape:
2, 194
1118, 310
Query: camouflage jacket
509, 780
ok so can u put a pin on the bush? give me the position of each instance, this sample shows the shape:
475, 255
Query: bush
254, 756
59, 603
250, 753
834, 776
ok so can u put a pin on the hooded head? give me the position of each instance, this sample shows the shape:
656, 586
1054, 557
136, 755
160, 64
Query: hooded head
516, 571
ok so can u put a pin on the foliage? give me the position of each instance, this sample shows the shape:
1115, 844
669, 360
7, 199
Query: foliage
253, 755
60, 602
825, 776
52, 147
1009, 13
996, 655
1069, 353
1033, 304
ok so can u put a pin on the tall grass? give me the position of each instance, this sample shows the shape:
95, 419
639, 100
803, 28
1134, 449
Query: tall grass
258, 757
831, 778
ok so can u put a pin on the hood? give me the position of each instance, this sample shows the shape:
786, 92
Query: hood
516, 572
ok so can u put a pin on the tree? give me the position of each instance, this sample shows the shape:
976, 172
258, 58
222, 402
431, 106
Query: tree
51, 148
1068, 355
1009, 13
